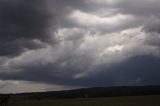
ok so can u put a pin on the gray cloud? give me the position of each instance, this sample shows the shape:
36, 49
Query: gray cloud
129, 72
142, 8
21, 23
100, 43
152, 25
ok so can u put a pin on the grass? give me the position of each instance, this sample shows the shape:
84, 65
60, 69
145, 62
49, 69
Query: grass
110, 101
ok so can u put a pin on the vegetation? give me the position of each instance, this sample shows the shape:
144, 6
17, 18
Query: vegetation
110, 101
99, 96
96, 92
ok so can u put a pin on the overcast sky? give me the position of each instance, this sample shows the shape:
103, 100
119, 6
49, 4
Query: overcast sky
66, 44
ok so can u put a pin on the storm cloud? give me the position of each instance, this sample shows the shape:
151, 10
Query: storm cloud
23, 25
80, 43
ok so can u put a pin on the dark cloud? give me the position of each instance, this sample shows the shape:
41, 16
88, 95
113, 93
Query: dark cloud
142, 8
140, 70
101, 43
67, 6
136, 70
21, 22
152, 25
145, 10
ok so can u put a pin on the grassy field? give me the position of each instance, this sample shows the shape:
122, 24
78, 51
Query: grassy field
111, 101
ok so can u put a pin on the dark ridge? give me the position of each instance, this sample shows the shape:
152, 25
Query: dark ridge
94, 92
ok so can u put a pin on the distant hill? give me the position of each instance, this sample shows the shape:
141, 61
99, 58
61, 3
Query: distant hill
95, 92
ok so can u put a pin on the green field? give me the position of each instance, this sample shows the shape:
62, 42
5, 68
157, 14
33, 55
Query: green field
110, 101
